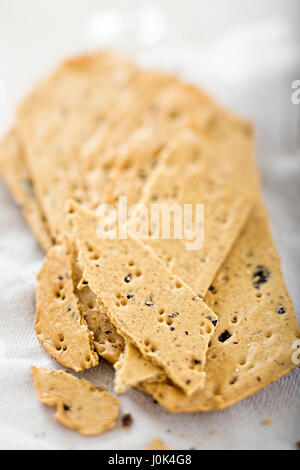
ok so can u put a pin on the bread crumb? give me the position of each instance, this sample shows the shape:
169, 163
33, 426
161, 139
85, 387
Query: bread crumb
158, 444
267, 422
213, 432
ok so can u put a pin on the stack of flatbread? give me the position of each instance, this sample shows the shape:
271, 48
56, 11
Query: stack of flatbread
198, 329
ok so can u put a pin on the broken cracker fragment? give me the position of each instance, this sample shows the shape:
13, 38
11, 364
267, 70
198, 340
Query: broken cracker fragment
132, 369
79, 405
158, 444
253, 346
60, 325
16, 175
116, 270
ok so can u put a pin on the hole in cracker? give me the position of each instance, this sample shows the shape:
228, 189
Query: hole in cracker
233, 381
234, 319
269, 334
208, 329
138, 273
217, 391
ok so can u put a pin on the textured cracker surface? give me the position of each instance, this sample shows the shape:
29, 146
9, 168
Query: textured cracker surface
57, 119
259, 350
132, 369
14, 170
192, 173
60, 325
79, 405
149, 306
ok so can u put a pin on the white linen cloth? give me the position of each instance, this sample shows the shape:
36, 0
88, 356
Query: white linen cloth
223, 70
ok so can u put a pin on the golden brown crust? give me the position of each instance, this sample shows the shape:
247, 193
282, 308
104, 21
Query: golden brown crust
79, 405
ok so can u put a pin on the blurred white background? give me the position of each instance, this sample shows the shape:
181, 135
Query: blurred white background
244, 52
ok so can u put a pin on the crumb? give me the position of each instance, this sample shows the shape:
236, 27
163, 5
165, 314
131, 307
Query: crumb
127, 420
213, 432
183, 435
267, 422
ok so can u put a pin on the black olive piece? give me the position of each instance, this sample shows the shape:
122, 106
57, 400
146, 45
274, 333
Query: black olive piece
224, 336
281, 310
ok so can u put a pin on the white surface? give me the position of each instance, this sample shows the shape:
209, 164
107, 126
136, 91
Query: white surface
33, 36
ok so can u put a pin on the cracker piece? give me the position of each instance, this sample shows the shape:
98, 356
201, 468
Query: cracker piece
132, 369
60, 325
79, 405
149, 306
134, 164
157, 444
254, 342
108, 343
17, 178
101, 150
190, 172
56, 120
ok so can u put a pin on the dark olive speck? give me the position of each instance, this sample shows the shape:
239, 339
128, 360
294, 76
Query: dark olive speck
281, 310
261, 276
224, 336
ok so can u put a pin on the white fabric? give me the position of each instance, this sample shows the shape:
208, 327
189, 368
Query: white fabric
24, 422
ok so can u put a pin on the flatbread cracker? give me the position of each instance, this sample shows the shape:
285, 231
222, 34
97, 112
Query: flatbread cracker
79, 405
149, 306
101, 150
17, 178
253, 343
60, 325
59, 117
132, 369
108, 343
134, 164
191, 173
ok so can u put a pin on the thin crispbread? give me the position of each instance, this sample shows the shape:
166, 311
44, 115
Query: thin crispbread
17, 178
108, 343
56, 120
79, 405
149, 306
60, 325
257, 332
190, 172
57, 292
134, 164
132, 370
99, 154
